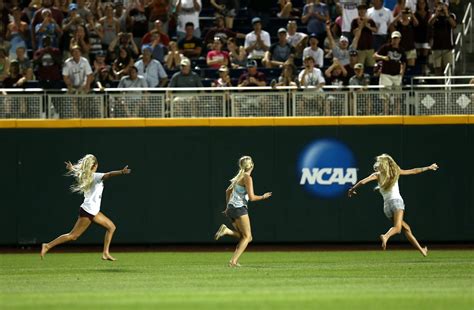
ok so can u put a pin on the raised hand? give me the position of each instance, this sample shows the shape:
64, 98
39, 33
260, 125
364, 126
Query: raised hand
68, 165
351, 192
433, 167
125, 170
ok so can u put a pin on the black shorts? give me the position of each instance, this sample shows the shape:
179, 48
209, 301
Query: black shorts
83, 213
234, 213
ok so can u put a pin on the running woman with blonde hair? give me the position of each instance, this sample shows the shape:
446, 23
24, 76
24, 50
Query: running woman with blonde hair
90, 183
386, 174
239, 192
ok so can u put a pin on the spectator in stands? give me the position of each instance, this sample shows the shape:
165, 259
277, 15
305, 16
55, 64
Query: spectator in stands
95, 33
382, 18
360, 78
174, 57
258, 41
151, 69
422, 44
48, 63
122, 15
157, 30
17, 32
99, 63
314, 51
14, 75
224, 78
226, 9
158, 10
190, 46
353, 60
22, 59
288, 76
55, 16
104, 78
393, 67
122, 63
340, 50
80, 38
442, 23
4, 64
217, 57
29, 11
133, 80
310, 75
48, 27
82, 10
28, 80
280, 53
188, 12
405, 23
123, 40
77, 72
349, 13
70, 25
336, 74
185, 77
315, 14
219, 30
139, 21
287, 10
237, 54
252, 77
159, 50
296, 39
367, 28
110, 26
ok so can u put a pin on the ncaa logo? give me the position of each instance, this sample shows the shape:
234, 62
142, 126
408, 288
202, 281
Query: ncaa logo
326, 168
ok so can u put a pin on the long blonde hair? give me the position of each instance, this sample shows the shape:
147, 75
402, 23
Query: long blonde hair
245, 164
389, 171
83, 173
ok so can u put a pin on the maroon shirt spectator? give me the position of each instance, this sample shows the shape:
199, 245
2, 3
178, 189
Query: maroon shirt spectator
48, 64
164, 38
442, 22
393, 57
252, 77
366, 40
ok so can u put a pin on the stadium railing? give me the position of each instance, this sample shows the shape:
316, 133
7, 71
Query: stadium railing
460, 43
429, 99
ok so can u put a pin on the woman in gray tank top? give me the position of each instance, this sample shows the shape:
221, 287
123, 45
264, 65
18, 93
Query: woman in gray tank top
386, 174
238, 194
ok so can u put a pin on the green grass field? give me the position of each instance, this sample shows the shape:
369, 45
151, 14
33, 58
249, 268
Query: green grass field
397, 279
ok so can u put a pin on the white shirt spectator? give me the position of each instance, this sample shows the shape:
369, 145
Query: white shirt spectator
127, 82
349, 12
77, 71
382, 18
251, 38
312, 78
152, 72
295, 38
318, 55
188, 14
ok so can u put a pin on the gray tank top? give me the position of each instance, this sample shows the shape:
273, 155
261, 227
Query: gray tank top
239, 197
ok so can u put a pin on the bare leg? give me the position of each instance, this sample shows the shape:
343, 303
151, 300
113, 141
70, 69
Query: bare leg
243, 226
396, 229
407, 231
80, 227
105, 222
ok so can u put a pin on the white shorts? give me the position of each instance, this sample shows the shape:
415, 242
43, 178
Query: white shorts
388, 80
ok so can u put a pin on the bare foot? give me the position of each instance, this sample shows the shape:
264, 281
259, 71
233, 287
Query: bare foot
44, 250
108, 257
424, 251
220, 232
384, 242
234, 265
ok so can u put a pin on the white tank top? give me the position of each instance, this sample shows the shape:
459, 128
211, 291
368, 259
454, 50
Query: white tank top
239, 197
93, 196
391, 193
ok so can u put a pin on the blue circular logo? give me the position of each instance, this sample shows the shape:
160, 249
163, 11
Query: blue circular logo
327, 168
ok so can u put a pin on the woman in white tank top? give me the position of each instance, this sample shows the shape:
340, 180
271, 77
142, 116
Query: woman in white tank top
237, 195
90, 183
386, 174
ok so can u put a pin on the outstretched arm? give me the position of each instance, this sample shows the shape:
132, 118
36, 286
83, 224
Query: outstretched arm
110, 174
368, 179
249, 186
433, 167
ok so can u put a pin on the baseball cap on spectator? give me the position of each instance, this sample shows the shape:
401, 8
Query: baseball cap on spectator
76, 47
256, 20
185, 62
147, 47
313, 35
396, 34
72, 7
251, 63
353, 53
282, 30
358, 66
343, 39
223, 68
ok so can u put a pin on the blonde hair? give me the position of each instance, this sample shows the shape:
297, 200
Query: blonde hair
83, 173
389, 171
245, 164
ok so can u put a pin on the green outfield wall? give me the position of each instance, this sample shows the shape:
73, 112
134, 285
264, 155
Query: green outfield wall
181, 169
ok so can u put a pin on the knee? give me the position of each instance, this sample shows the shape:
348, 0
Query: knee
248, 238
397, 229
112, 227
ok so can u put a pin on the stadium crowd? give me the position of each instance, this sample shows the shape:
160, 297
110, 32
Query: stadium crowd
86, 44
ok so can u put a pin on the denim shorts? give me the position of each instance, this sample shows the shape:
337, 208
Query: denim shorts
234, 213
392, 205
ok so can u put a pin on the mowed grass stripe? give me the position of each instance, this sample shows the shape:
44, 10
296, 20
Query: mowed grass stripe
268, 280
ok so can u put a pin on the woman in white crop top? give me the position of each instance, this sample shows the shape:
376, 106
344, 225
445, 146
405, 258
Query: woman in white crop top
90, 183
386, 174
239, 192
